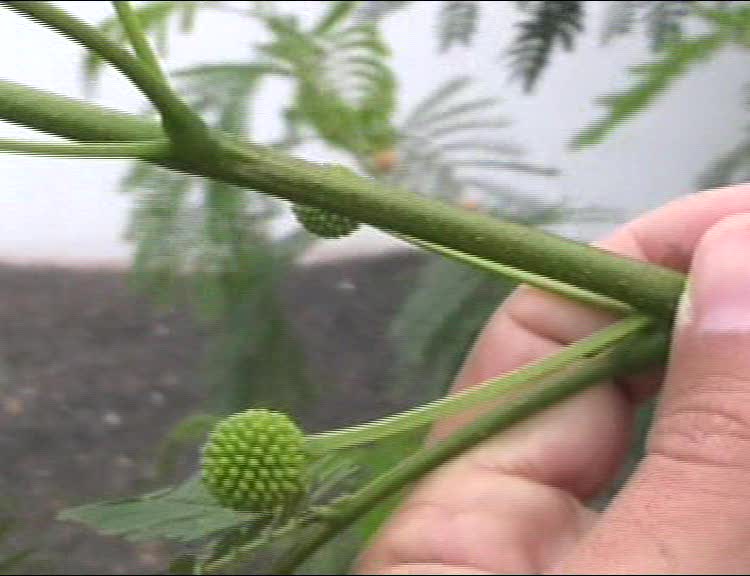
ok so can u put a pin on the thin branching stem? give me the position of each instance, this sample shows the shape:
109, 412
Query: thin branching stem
522, 276
139, 40
154, 151
503, 388
177, 116
641, 351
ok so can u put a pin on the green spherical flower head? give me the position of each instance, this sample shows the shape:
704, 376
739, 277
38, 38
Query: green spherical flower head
255, 461
324, 223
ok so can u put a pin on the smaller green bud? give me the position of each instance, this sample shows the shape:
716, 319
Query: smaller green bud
247, 453
324, 223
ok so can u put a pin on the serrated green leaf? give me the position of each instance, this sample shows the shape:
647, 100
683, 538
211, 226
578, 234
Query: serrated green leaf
185, 513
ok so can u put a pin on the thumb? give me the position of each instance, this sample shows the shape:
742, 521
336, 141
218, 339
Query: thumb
687, 508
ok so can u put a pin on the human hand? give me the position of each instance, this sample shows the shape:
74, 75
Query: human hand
517, 503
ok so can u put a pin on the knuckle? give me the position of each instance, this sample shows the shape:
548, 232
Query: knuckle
706, 427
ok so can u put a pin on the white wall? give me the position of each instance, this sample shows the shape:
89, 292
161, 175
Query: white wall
69, 211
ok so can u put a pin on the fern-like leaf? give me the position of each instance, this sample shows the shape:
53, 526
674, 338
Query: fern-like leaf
664, 21
223, 92
621, 18
372, 11
345, 89
458, 23
451, 141
653, 79
549, 23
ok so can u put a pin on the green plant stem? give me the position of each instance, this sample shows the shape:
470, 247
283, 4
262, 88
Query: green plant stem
134, 31
647, 287
179, 120
642, 351
522, 276
503, 388
154, 151
72, 119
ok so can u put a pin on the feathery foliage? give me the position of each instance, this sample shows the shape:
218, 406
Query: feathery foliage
663, 21
547, 24
620, 19
451, 146
653, 79
458, 23
344, 87
372, 11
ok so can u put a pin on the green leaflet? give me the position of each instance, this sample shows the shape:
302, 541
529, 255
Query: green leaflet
185, 513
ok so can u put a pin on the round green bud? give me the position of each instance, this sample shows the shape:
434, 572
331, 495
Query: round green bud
324, 223
255, 461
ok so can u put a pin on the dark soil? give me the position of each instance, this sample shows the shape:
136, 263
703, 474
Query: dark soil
92, 377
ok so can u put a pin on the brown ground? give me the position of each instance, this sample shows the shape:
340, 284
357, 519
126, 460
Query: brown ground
91, 377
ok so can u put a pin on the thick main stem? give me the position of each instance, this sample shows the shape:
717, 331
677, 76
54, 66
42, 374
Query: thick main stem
644, 286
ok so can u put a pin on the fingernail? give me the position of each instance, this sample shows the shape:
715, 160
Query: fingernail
718, 297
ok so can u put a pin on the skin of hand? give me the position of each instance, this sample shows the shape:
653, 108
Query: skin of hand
516, 504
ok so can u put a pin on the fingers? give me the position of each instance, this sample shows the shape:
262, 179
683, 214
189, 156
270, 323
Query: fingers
562, 455
687, 510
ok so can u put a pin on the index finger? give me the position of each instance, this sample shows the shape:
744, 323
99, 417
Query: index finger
573, 449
